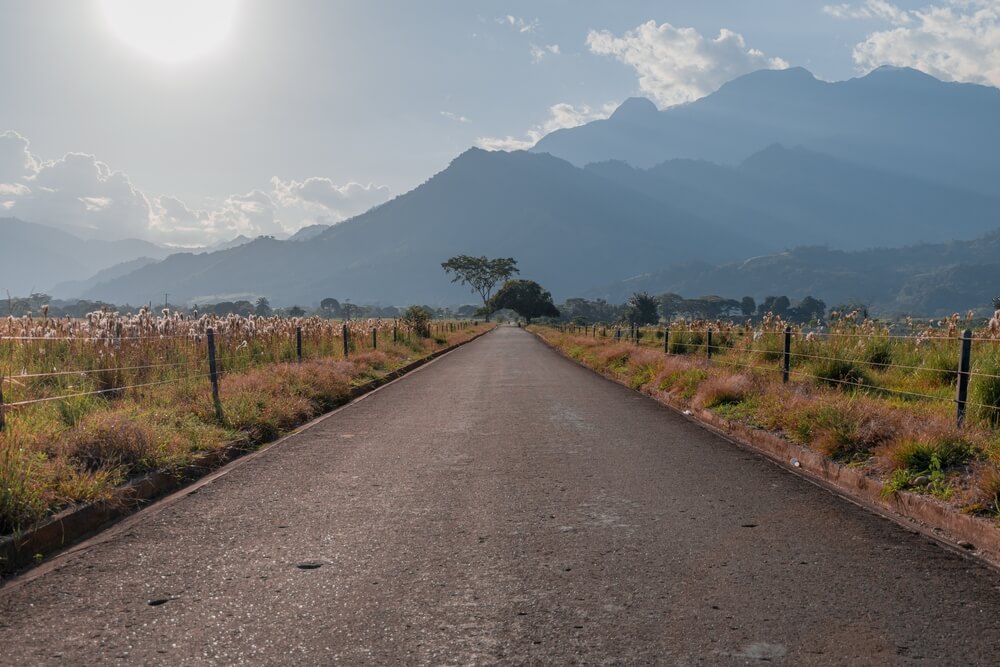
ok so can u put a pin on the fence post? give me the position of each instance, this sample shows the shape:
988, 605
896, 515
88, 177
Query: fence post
708, 343
298, 343
786, 363
666, 340
374, 339
395, 333
346, 343
213, 373
964, 366
2, 421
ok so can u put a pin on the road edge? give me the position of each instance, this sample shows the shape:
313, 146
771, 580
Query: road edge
967, 535
18, 553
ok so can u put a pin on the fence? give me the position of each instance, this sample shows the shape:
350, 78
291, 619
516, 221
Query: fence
56, 361
930, 365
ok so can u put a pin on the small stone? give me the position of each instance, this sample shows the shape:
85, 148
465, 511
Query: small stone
922, 480
310, 565
967, 545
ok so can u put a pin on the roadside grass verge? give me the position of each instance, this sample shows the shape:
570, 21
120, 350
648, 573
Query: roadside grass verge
79, 450
859, 410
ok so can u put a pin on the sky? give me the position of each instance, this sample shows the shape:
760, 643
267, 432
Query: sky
292, 112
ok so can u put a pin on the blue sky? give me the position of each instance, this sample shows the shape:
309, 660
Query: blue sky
312, 110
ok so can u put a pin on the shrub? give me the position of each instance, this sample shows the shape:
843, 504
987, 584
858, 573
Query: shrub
878, 352
940, 366
418, 318
110, 440
723, 390
985, 390
841, 373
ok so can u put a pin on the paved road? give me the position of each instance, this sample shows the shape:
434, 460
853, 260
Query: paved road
504, 505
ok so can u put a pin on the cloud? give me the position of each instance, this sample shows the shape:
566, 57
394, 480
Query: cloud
957, 40
518, 23
81, 193
561, 116
455, 117
539, 53
677, 65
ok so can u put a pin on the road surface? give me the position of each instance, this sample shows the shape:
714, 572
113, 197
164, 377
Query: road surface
503, 505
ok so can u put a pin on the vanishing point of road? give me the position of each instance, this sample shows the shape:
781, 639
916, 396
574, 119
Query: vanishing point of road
505, 506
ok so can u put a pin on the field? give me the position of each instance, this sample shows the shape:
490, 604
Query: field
878, 397
90, 403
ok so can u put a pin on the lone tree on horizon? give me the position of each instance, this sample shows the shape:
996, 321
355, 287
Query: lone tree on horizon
480, 273
524, 297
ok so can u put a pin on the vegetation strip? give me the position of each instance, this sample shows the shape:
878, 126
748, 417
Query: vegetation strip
71, 525
962, 531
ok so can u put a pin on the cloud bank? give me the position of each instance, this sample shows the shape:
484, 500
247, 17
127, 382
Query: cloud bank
958, 40
561, 116
677, 65
80, 193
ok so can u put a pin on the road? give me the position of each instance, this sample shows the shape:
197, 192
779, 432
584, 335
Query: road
504, 505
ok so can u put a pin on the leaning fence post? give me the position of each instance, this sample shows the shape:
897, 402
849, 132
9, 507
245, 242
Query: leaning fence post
964, 366
213, 373
708, 343
298, 343
786, 363
344, 336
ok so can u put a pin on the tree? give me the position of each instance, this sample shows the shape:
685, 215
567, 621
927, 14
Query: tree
418, 318
778, 305
480, 273
748, 306
809, 309
330, 306
524, 297
296, 311
262, 307
641, 309
671, 305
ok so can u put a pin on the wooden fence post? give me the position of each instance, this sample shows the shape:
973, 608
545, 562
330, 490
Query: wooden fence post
708, 343
2, 420
213, 373
298, 343
964, 366
346, 343
375, 339
666, 340
786, 363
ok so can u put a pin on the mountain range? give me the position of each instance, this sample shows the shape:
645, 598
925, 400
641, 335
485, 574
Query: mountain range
773, 166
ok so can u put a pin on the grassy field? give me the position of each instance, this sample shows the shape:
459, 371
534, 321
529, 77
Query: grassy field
878, 398
91, 403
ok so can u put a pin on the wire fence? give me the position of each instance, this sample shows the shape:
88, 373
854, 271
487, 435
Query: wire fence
51, 368
922, 365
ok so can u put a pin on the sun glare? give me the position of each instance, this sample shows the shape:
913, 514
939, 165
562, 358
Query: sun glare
170, 31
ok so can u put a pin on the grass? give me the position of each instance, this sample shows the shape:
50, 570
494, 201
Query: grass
865, 396
80, 449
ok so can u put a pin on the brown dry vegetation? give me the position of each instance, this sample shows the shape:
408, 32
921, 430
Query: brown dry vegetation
57, 453
910, 443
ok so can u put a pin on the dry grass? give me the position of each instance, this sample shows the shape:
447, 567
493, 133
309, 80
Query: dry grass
869, 420
57, 453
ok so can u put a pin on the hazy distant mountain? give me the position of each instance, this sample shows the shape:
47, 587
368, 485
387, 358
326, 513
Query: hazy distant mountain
799, 197
894, 119
567, 227
926, 279
308, 233
36, 257
226, 245
73, 288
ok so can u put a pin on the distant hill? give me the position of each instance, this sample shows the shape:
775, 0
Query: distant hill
73, 288
895, 119
926, 279
35, 258
566, 227
800, 197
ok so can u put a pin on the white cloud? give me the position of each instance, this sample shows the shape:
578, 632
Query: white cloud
956, 40
561, 116
518, 23
327, 199
677, 65
79, 192
539, 53
455, 117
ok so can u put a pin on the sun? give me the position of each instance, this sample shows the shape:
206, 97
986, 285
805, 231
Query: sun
170, 31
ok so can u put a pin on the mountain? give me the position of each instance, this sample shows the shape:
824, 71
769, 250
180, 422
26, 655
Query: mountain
34, 258
72, 288
893, 119
800, 197
566, 226
308, 233
925, 279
